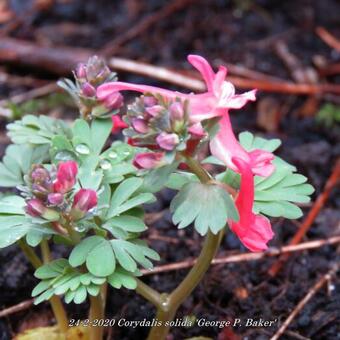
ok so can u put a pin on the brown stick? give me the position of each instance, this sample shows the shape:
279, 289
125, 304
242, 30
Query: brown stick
143, 25
16, 308
318, 285
328, 38
29, 95
313, 213
60, 60
246, 257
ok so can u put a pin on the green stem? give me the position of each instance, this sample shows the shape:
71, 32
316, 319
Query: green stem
148, 293
96, 313
30, 254
169, 304
56, 304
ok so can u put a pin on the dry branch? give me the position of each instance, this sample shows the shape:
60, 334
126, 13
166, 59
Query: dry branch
60, 60
246, 257
313, 213
16, 308
304, 301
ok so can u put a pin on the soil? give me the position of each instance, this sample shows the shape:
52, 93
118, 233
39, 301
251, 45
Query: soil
237, 32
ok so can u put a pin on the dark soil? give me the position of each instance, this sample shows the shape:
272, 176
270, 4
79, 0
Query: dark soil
237, 32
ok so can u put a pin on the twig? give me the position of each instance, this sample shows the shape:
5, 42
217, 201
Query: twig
16, 308
328, 38
307, 223
304, 301
297, 70
143, 25
163, 74
247, 256
29, 95
60, 60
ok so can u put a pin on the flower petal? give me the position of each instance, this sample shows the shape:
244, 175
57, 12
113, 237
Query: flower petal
204, 69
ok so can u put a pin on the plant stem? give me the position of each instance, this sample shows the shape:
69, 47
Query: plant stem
148, 293
96, 313
169, 304
30, 254
56, 304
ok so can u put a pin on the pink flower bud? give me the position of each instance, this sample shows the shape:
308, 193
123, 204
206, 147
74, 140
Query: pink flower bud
155, 110
149, 101
55, 198
140, 125
66, 176
81, 71
197, 131
88, 90
84, 200
35, 207
167, 141
176, 111
114, 101
148, 160
118, 124
39, 174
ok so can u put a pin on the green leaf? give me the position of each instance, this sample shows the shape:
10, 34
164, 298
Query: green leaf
121, 199
36, 130
274, 195
100, 131
98, 255
251, 142
121, 278
17, 162
120, 226
155, 179
129, 252
59, 278
208, 206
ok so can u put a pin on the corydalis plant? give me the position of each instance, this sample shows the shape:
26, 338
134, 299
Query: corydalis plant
79, 189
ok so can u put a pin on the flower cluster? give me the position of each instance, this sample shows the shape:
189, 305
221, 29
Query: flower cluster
50, 193
88, 77
253, 230
163, 126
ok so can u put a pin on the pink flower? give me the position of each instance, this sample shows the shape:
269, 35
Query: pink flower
55, 198
225, 147
220, 94
66, 176
84, 200
35, 207
254, 231
167, 141
148, 160
114, 101
118, 124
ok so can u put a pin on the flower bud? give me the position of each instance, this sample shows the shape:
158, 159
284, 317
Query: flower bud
197, 131
155, 110
84, 200
88, 90
36, 208
148, 160
176, 111
81, 71
118, 124
149, 101
139, 125
66, 176
96, 70
39, 174
167, 141
55, 198
114, 101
